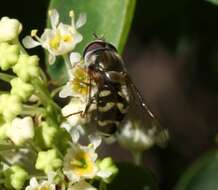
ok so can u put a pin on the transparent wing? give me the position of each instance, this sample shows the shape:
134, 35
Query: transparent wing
141, 113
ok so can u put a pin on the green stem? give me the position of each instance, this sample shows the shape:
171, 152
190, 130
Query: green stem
44, 77
52, 109
137, 158
56, 90
34, 147
7, 147
68, 64
102, 186
4, 160
6, 77
33, 110
22, 49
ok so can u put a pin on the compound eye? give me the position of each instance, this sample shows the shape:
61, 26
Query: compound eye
111, 47
94, 46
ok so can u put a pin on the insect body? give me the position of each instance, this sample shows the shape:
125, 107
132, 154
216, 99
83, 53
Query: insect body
115, 89
106, 70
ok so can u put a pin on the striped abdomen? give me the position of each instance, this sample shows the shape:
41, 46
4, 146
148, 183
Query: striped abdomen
112, 106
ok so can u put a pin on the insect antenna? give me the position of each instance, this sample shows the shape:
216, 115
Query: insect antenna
98, 37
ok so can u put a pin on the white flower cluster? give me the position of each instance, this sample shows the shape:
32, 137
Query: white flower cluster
35, 131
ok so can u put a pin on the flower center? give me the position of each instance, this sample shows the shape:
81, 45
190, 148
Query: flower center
82, 164
80, 82
67, 38
55, 41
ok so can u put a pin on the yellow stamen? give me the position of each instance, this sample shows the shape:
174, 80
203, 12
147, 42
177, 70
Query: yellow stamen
80, 74
67, 38
81, 80
71, 13
49, 12
82, 164
79, 87
55, 42
34, 32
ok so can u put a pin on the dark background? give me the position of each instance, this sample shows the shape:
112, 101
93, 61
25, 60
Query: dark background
172, 55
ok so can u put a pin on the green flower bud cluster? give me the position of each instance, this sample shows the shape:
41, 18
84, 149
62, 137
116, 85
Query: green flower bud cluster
48, 160
28, 115
9, 55
15, 177
108, 165
39, 141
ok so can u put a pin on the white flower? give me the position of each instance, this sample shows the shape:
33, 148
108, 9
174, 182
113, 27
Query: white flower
80, 161
9, 29
135, 138
60, 39
21, 130
79, 81
44, 185
73, 111
75, 131
82, 185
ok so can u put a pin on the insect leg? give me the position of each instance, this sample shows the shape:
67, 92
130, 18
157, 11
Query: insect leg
85, 111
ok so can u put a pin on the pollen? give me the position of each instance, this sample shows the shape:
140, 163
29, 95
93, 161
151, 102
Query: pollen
71, 13
81, 81
34, 32
55, 41
67, 38
80, 87
82, 164
80, 74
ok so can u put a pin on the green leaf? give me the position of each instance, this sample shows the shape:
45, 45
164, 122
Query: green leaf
202, 175
110, 19
132, 177
215, 2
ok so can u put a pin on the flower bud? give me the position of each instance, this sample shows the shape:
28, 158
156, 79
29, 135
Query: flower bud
9, 55
134, 138
15, 177
27, 67
21, 89
48, 161
21, 130
107, 166
45, 135
10, 106
9, 29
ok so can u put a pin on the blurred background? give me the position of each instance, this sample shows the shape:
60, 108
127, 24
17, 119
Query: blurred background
172, 56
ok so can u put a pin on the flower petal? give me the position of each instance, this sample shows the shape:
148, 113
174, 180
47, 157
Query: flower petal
66, 91
81, 20
74, 134
51, 59
34, 182
75, 58
95, 140
104, 174
29, 42
77, 38
54, 17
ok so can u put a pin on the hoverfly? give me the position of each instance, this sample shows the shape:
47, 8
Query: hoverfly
115, 89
